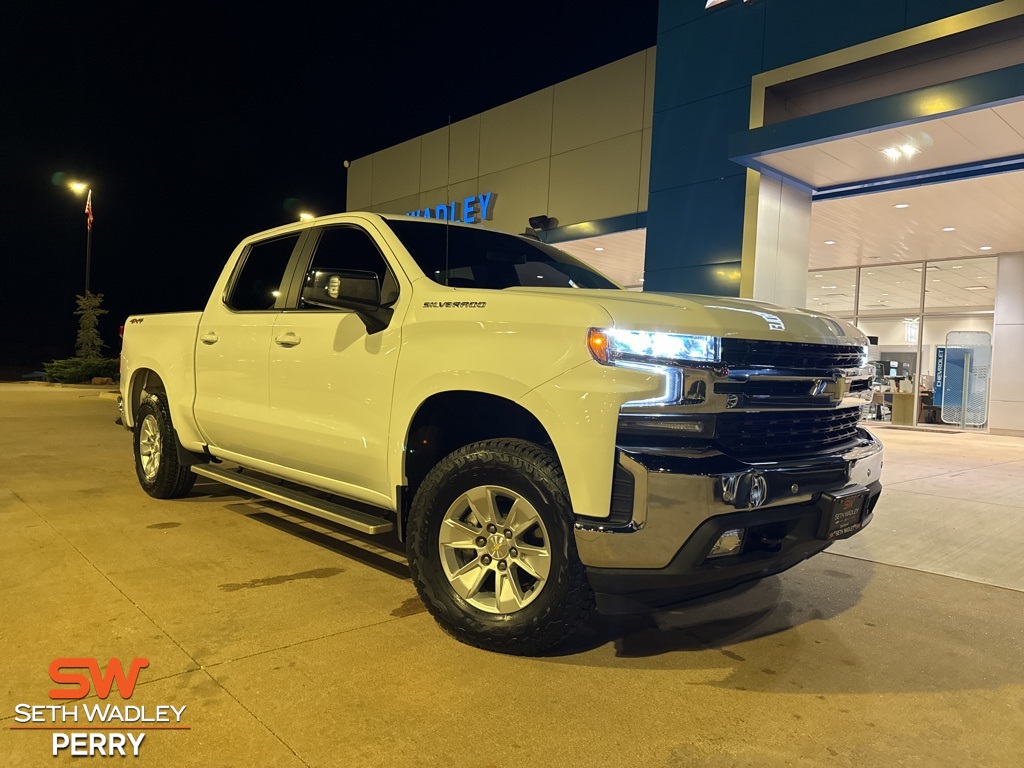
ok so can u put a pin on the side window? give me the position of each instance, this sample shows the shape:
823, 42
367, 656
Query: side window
258, 284
342, 250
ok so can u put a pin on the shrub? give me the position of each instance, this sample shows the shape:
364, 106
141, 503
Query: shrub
75, 370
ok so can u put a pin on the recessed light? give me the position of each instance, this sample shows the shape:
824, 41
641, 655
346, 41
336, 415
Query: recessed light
957, 266
892, 153
819, 275
599, 249
985, 248
909, 150
936, 280
885, 294
828, 287
814, 298
975, 287
949, 229
902, 205
830, 242
869, 273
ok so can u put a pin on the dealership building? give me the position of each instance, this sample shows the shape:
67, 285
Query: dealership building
863, 159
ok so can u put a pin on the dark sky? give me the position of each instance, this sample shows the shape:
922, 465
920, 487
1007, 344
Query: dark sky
195, 123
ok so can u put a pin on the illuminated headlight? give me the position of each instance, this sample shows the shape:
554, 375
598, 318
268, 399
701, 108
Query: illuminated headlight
613, 346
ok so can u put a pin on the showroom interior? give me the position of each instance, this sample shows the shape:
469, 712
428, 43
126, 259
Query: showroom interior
872, 170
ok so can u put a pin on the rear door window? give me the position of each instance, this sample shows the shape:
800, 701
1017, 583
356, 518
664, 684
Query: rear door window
258, 284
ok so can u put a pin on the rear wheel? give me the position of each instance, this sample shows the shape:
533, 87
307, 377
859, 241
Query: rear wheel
492, 551
156, 451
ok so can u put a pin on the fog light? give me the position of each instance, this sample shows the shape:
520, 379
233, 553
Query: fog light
729, 543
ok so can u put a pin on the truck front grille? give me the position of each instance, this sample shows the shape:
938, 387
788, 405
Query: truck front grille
791, 356
762, 436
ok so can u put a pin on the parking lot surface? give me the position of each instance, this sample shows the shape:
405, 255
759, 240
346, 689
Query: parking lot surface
291, 643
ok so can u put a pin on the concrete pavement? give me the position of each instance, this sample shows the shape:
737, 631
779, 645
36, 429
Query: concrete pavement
296, 644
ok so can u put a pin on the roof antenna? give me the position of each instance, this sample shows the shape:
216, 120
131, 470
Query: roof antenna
449, 209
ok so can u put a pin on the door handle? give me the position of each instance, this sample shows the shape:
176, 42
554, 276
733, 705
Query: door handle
209, 338
287, 340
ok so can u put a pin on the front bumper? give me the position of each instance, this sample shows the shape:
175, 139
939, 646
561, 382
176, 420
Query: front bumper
681, 506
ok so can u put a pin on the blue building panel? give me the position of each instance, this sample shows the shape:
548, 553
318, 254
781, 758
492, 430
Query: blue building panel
708, 279
924, 11
690, 143
723, 57
802, 29
675, 14
702, 224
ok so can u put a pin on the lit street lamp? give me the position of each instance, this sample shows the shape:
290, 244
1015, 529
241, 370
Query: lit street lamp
78, 188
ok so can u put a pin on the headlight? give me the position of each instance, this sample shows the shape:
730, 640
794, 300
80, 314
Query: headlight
614, 346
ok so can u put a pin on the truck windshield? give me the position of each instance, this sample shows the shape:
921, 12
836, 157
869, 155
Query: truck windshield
477, 258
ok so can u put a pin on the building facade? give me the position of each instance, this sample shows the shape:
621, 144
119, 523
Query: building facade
862, 158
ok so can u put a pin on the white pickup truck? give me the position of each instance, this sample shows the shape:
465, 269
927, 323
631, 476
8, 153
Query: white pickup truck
539, 438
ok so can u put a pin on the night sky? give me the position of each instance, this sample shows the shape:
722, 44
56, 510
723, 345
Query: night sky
197, 125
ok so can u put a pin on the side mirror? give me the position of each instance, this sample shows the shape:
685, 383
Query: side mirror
348, 289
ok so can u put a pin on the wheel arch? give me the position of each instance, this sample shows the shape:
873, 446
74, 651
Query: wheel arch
142, 380
449, 420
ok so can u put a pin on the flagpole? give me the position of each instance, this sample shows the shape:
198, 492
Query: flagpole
88, 240
88, 256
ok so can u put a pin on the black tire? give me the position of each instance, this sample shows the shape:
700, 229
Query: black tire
564, 598
166, 478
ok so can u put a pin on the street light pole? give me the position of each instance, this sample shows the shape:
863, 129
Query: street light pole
78, 188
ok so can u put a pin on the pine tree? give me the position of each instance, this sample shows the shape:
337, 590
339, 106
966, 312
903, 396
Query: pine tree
88, 361
88, 343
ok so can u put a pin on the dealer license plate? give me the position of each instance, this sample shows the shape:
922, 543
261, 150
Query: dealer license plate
844, 513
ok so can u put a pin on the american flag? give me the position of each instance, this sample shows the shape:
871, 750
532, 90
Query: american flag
88, 211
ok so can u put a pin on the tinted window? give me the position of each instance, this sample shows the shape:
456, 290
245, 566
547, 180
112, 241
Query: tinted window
460, 256
259, 283
347, 250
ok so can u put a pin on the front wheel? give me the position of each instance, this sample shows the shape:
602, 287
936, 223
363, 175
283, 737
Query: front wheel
492, 551
156, 452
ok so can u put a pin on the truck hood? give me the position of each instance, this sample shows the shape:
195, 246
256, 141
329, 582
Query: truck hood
713, 316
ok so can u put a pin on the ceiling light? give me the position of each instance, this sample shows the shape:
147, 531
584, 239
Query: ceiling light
909, 150
870, 273
949, 229
814, 298
819, 275
885, 294
599, 249
902, 205
830, 242
936, 279
892, 153
827, 287
985, 248
957, 266
975, 287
